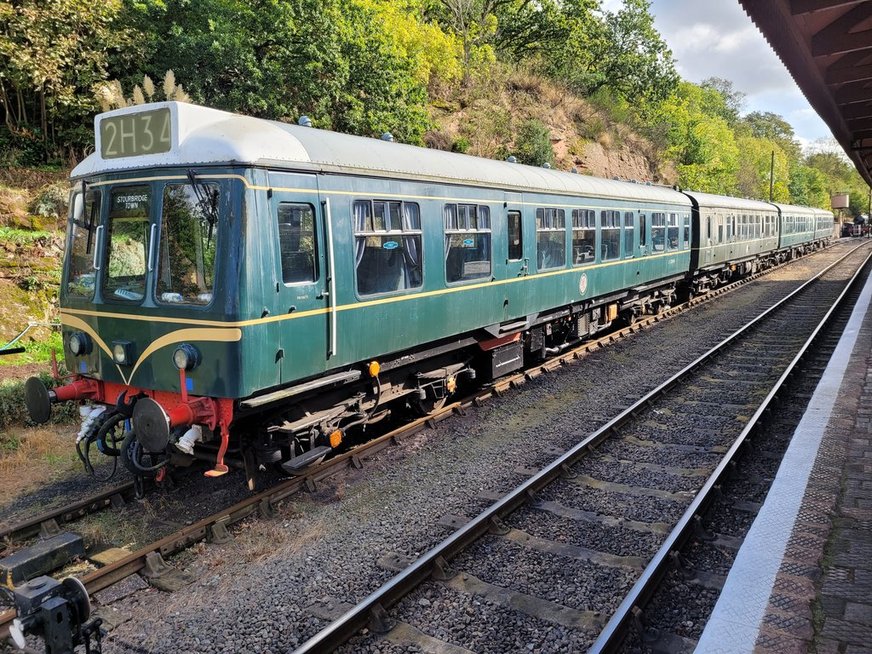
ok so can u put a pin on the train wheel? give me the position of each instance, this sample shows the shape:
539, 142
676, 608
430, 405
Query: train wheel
427, 406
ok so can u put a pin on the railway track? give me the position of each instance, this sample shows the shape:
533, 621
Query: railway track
148, 559
613, 509
682, 603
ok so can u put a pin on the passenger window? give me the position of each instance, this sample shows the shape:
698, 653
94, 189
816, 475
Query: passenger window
610, 227
387, 246
685, 240
467, 242
709, 230
583, 236
82, 241
658, 232
629, 233
516, 243
550, 238
297, 242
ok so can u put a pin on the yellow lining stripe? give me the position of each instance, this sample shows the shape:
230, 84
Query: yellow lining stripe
181, 335
364, 303
178, 336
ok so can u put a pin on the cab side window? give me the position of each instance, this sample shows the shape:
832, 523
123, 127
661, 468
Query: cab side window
296, 224
387, 246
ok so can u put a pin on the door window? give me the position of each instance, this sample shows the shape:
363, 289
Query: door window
297, 244
467, 242
515, 236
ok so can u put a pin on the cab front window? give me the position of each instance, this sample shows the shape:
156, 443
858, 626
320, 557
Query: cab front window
128, 244
189, 231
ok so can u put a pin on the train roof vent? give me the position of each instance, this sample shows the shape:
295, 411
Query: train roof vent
512, 159
304, 121
387, 136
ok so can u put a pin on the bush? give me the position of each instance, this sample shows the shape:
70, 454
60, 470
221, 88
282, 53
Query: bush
51, 201
14, 412
533, 144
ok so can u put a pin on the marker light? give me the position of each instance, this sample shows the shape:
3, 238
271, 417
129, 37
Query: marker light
122, 352
186, 357
79, 343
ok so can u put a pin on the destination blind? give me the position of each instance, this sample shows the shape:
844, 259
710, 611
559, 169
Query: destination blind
135, 134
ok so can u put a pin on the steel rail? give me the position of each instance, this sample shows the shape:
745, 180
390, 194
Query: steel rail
265, 501
434, 561
612, 636
69, 513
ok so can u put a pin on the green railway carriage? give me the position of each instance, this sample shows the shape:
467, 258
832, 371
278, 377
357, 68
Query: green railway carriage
245, 284
802, 228
731, 237
825, 226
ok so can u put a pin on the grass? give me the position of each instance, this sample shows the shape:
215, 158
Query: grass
22, 236
31, 456
36, 351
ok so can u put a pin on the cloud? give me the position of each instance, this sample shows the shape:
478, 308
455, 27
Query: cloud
715, 38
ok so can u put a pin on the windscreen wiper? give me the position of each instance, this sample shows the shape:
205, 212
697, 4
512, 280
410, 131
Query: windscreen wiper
206, 200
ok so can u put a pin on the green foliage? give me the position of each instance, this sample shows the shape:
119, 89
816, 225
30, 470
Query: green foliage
533, 144
51, 201
22, 236
621, 51
14, 412
698, 140
726, 101
754, 167
350, 65
51, 53
767, 125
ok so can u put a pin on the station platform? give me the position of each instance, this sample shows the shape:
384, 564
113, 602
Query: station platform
802, 580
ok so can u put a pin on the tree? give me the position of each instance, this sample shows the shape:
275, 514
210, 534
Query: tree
341, 62
701, 144
754, 168
730, 102
51, 54
768, 125
627, 55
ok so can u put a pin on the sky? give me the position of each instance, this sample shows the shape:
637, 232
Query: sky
715, 38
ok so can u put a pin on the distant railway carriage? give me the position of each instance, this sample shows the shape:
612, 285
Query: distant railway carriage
732, 237
248, 291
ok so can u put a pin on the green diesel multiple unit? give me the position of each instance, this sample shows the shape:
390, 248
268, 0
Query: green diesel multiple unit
249, 291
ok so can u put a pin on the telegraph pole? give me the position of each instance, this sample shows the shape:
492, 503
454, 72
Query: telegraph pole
772, 175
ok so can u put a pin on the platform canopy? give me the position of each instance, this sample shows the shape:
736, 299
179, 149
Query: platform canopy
827, 47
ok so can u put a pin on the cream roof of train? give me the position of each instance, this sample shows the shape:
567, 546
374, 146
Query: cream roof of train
711, 201
208, 136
